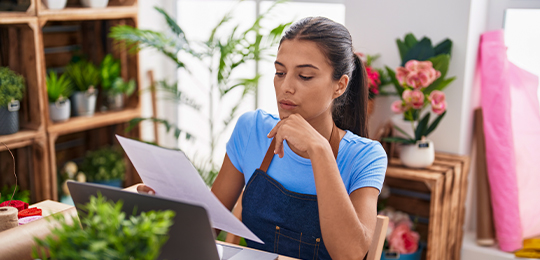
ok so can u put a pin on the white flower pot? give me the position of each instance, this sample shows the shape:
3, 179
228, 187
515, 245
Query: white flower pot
55, 4
95, 3
84, 103
419, 155
60, 110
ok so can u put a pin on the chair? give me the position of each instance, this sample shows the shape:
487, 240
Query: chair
375, 249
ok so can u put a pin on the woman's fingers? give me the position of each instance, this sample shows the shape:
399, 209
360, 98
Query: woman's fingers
145, 189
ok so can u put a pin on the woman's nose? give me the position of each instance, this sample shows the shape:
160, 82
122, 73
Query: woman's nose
288, 85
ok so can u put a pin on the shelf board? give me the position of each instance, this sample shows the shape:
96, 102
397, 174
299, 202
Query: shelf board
20, 139
100, 119
85, 13
16, 19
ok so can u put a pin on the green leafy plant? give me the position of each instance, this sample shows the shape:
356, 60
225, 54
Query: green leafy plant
12, 86
105, 232
223, 53
58, 88
7, 192
419, 82
104, 164
109, 71
84, 74
119, 86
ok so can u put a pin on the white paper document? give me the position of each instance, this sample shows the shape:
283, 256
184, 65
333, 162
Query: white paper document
172, 175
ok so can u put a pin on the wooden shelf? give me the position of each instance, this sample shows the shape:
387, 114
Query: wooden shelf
84, 13
77, 124
19, 139
16, 19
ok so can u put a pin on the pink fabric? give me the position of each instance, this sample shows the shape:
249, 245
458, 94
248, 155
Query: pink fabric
526, 128
500, 157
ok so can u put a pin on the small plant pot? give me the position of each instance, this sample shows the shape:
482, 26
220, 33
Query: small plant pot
55, 4
60, 110
9, 118
95, 3
115, 101
112, 183
419, 155
84, 103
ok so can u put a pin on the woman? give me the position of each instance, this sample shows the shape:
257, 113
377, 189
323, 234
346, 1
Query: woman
314, 195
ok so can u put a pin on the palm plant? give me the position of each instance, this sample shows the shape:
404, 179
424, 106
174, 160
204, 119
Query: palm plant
109, 71
58, 88
84, 74
230, 49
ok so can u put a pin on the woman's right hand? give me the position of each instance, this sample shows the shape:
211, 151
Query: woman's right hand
145, 189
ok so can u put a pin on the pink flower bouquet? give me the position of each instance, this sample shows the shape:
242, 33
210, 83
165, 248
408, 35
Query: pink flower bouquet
419, 83
400, 237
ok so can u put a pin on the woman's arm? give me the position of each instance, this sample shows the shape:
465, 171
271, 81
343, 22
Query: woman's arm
228, 184
347, 222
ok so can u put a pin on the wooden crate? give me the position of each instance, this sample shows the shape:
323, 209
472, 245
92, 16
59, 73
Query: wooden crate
433, 196
18, 46
31, 166
22, 8
74, 146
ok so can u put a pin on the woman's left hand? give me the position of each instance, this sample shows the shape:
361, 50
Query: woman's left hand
298, 133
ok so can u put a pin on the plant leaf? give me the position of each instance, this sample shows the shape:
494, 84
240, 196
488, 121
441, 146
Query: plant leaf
403, 132
392, 75
422, 126
435, 123
444, 47
438, 85
422, 51
410, 40
398, 140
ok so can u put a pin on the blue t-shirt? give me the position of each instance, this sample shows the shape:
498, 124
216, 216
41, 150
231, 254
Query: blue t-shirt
361, 162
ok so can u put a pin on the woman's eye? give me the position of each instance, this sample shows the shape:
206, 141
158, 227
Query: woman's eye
280, 74
305, 77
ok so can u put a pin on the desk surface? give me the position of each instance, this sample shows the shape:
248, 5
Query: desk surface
50, 207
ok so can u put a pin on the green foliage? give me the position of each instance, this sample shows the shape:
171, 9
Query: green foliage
423, 129
83, 74
58, 88
119, 86
107, 234
104, 164
412, 49
109, 71
12, 86
7, 192
223, 52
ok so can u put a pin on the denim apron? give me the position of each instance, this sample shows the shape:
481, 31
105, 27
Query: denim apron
287, 221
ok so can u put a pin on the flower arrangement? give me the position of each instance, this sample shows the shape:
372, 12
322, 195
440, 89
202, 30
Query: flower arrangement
400, 236
419, 83
377, 78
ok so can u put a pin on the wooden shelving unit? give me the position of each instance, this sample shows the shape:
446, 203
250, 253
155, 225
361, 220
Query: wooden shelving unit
38, 40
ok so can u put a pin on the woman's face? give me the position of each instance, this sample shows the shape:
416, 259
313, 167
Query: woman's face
303, 81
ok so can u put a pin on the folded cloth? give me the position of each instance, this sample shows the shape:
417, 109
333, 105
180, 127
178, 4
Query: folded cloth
29, 212
27, 220
20, 205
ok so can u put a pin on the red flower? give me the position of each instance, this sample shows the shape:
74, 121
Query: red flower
373, 79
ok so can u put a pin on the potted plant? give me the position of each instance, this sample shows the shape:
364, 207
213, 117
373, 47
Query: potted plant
85, 78
114, 86
95, 3
105, 166
12, 87
55, 4
7, 192
419, 83
402, 242
59, 89
108, 234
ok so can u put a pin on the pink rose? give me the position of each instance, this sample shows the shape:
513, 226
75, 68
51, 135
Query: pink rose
397, 107
417, 74
403, 239
438, 102
413, 98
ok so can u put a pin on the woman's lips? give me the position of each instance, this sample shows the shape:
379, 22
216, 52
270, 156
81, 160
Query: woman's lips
287, 105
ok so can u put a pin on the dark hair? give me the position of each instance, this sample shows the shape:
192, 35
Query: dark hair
349, 111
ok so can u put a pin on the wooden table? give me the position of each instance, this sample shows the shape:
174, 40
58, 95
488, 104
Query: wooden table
50, 207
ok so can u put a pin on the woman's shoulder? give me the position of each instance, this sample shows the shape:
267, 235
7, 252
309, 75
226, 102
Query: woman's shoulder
357, 145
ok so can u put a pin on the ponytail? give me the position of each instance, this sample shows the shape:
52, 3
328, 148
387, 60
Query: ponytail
350, 109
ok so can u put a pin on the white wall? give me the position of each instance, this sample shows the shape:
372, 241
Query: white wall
375, 26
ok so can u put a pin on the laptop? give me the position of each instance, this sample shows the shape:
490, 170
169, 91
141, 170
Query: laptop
190, 237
